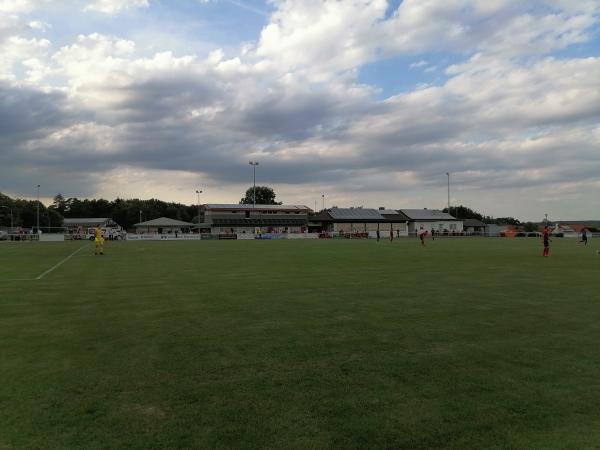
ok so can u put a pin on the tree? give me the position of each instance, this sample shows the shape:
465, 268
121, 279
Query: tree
506, 221
59, 204
264, 196
464, 212
529, 227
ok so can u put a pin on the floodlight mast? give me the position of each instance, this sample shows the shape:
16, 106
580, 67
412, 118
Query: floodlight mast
38, 209
198, 191
448, 174
253, 164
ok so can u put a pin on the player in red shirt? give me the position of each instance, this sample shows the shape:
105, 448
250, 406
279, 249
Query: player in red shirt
546, 238
422, 236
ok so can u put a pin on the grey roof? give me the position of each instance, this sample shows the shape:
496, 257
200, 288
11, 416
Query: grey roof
270, 221
426, 214
392, 214
244, 207
473, 223
86, 220
164, 222
355, 214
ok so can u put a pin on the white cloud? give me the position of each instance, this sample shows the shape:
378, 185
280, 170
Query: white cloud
115, 6
418, 64
39, 26
16, 50
16, 6
506, 116
324, 37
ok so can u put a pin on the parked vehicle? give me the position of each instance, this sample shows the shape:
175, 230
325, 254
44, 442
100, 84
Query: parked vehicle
109, 233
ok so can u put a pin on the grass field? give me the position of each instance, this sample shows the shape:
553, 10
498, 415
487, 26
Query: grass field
467, 343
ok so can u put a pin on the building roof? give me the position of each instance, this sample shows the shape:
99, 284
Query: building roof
164, 222
86, 220
355, 214
473, 223
393, 216
427, 214
267, 222
359, 215
234, 206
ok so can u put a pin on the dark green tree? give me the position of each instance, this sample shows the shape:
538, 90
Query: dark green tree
264, 196
506, 221
463, 212
59, 204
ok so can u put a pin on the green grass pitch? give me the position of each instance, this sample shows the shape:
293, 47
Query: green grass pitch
466, 343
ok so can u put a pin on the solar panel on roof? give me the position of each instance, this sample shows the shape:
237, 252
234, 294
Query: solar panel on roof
355, 214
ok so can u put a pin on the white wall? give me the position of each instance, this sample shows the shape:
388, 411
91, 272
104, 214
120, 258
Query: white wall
360, 227
438, 226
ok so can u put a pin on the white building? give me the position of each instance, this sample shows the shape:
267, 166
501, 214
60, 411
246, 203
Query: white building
163, 225
431, 220
364, 221
251, 219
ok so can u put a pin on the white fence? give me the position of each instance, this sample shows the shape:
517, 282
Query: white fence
55, 237
163, 237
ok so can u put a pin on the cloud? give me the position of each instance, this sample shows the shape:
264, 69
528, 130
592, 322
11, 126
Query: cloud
247, 7
418, 64
17, 50
115, 6
99, 110
16, 6
324, 37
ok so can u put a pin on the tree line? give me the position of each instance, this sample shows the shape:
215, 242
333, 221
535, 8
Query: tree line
129, 212
125, 212
464, 212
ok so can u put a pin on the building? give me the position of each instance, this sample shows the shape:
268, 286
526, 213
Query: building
85, 223
570, 230
250, 219
82, 228
360, 221
432, 220
164, 225
474, 227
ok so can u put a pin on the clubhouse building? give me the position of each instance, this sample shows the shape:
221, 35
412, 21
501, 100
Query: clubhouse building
432, 220
250, 219
360, 222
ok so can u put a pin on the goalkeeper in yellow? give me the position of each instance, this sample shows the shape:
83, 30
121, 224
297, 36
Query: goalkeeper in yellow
98, 241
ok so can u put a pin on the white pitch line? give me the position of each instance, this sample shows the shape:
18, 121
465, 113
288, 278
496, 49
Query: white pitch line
57, 265
17, 279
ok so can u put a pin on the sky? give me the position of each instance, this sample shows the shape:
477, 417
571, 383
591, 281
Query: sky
367, 102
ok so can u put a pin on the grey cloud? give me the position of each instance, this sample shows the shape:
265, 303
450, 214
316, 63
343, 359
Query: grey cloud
425, 133
26, 113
